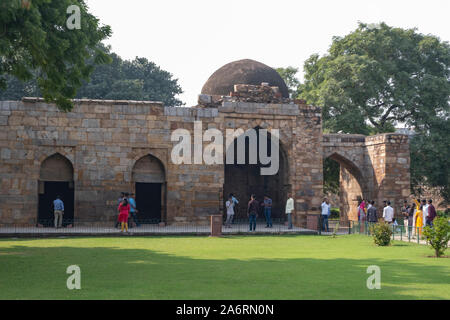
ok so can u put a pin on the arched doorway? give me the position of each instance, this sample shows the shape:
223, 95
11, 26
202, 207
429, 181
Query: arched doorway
350, 185
245, 179
149, 181
55, 179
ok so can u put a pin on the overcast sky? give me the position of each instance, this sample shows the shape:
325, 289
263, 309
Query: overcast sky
193, 38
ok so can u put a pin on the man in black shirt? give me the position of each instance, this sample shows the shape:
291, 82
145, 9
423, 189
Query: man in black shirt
372, 213
252, 212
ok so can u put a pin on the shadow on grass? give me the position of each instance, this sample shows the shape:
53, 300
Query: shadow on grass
119, 273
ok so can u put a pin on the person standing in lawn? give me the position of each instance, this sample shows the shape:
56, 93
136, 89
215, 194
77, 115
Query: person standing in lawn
388, 213
405, 214
431, 213
289, 209
372, 213
325, 209
133, 210
425, 212
230, 211
58, 207
252, 212
235, 203
418, 218
267, 203
411, 222
124, 210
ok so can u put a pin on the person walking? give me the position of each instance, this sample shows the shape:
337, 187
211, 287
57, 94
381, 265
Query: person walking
252, 212
324, 216
388, 213
267, 203
119, 201
133, 210
124, 210
431, 213
230, 211
289, 209
58, 211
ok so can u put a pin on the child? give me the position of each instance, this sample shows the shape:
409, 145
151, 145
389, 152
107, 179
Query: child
124, 209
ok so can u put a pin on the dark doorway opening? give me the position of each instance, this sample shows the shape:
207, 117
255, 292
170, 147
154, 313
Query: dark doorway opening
245, 179
148, 202
48, 192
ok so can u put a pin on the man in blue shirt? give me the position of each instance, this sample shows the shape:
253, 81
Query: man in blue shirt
58, 207
267, 210
133, 209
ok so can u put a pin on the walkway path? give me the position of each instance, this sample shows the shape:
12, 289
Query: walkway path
150, 229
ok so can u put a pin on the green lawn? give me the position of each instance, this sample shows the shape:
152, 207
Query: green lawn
238, 267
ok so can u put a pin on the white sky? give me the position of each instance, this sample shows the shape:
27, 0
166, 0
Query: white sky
193, 38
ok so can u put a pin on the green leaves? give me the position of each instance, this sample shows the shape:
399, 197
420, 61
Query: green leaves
438, 236
37, 38
379, 77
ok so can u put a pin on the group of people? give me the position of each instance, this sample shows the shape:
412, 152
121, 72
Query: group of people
127, 210
254, 207
416, 216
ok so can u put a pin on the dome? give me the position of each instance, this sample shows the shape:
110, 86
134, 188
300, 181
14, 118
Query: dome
244, 71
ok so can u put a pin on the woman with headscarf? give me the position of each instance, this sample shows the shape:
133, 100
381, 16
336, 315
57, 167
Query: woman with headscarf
418, 218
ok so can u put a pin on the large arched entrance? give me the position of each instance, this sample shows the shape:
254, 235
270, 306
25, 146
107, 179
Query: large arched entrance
55, 179
350, 186
149, 181
245, 179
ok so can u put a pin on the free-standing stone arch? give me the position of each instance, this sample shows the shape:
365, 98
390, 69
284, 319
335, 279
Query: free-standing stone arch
352, 187
377, 167
149, 179
55, 179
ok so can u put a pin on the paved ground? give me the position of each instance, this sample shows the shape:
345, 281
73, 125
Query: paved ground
147, 230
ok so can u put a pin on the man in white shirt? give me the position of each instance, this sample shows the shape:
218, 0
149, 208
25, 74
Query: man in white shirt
289, 209
425, 212
388, 213
230, 211
325, 209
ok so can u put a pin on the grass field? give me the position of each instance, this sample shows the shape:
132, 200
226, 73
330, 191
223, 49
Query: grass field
252, 267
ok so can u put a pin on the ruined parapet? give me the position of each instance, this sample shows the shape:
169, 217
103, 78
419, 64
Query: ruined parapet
248, 93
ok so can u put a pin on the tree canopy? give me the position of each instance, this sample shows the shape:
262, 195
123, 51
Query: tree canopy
138, 79
37, 43
289, 76
378, 77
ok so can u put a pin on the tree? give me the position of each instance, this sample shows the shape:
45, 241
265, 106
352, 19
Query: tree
289, 76
37, 43
377, 77
138, 79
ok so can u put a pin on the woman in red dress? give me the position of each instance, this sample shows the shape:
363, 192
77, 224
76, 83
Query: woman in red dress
124, 210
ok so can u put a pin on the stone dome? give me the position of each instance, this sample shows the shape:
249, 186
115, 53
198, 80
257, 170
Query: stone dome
244, 71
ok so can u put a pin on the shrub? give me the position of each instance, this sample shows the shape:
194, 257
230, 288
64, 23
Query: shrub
382, 233
438, 236
334, 213
441, 213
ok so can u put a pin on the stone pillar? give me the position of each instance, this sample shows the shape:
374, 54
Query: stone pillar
390, 158
216, 225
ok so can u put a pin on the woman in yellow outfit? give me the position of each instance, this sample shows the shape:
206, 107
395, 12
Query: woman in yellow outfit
418, 217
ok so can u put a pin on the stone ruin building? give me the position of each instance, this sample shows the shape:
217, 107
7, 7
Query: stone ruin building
104, 147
